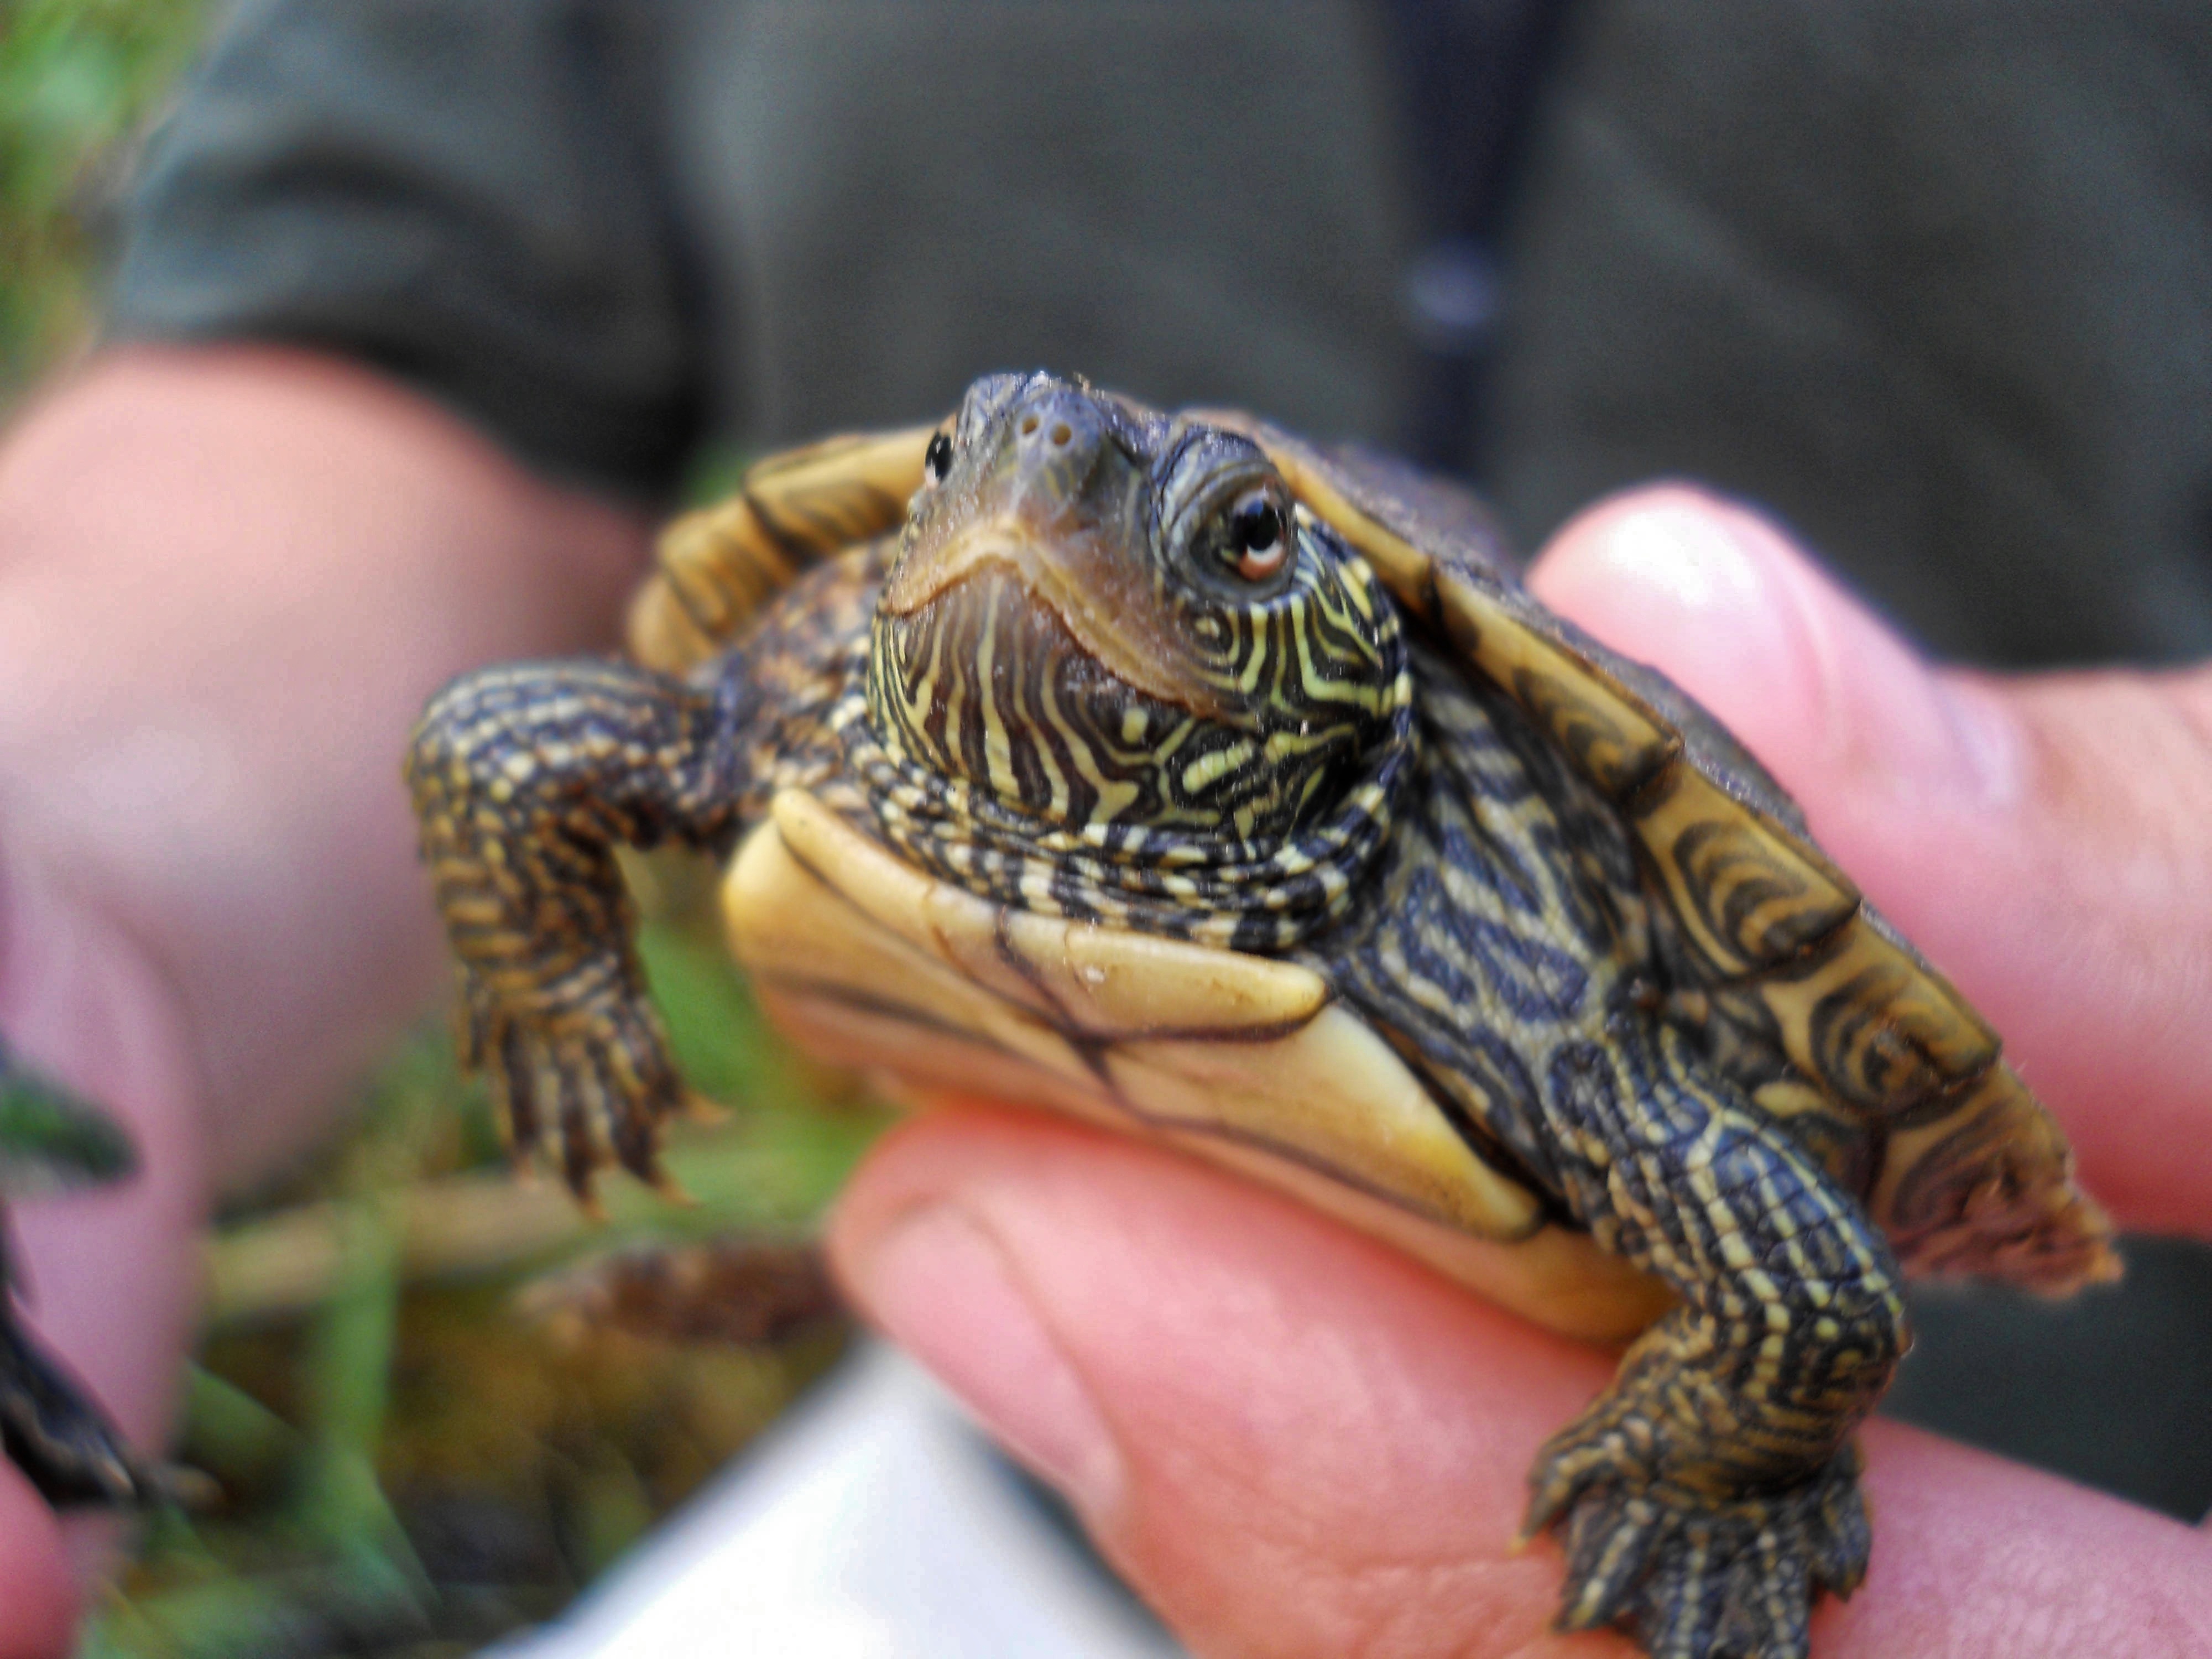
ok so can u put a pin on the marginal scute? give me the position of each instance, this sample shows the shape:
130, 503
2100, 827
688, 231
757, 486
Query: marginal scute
1234, 1056
711, 571
716, 566
1604, 729
1879, 1028
1987, 1188
1748, 895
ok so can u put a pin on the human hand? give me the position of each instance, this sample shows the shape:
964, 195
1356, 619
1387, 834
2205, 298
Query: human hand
229, 577
1294, 1441
106, 1278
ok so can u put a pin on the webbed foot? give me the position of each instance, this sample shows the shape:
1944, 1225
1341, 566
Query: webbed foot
525, 781
1693, 1575
596, 1076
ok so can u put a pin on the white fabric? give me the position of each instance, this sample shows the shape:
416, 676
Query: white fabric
873, 1524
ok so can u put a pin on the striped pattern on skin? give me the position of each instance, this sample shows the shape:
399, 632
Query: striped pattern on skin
1506, 950
1569, 902
999, 756
524, 779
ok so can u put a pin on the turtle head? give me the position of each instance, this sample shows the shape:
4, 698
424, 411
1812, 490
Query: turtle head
1106, 617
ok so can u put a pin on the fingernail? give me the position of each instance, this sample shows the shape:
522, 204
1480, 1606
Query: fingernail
1673, 577
1805, 673
944, 1287
1889, 718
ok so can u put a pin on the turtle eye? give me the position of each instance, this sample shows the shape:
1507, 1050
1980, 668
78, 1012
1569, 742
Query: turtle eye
1254, 544
937, 459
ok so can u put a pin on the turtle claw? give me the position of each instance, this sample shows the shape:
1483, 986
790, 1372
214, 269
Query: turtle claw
1694, 1576
1608, 1551
698, 1109
585, 1089
1609, 1444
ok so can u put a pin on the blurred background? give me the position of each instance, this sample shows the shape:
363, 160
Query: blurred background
440, 1404
78, 80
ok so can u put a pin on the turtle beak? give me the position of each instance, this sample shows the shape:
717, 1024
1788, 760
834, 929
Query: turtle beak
1061, 511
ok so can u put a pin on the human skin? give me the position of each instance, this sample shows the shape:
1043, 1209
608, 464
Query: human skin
1297, 1443
228, 579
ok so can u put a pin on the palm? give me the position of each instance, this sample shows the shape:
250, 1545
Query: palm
1297, 1443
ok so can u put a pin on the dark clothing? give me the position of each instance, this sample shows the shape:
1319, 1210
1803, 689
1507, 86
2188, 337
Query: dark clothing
1932, 279
606, 228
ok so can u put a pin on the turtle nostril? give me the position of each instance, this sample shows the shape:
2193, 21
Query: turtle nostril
1058, 430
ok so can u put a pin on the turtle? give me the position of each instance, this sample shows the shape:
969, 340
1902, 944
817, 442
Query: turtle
1226, 786
52, 1141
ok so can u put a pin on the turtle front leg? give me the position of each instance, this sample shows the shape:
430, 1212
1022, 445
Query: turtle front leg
526, 779
1711, 1495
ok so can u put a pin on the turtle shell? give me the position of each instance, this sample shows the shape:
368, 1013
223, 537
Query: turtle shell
1245, 1061
1808, 998
1823, 1015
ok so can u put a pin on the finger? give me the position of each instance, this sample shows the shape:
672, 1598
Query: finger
38, 1595
2047, 841
108, 1276
1225, 1392
1973, 1555
1295, 1442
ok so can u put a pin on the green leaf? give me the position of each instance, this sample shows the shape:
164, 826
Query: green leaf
51, 1141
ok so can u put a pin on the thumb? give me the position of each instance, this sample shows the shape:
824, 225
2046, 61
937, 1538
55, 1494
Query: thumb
37, 1597
1297, 1442
2047, 841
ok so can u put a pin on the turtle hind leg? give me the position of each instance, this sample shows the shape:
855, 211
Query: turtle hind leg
526, 779
1711, 1495
1698, 1576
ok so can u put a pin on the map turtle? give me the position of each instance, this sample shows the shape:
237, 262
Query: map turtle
1226, 786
